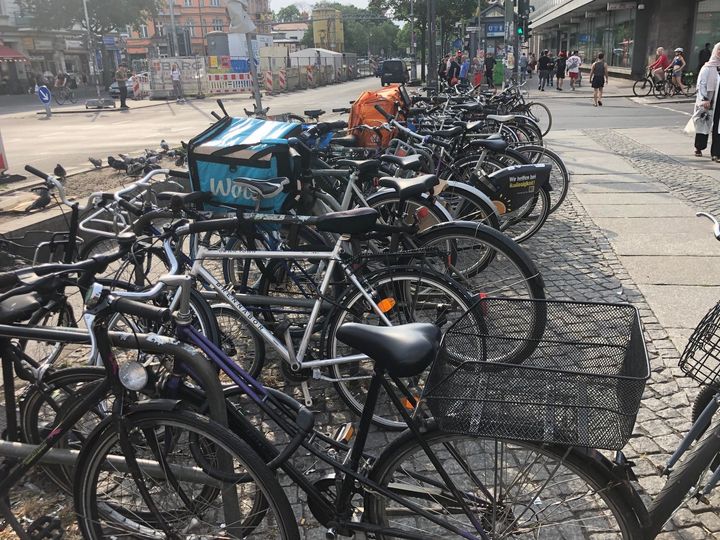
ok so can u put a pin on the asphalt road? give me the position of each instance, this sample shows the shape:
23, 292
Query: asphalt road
71, 138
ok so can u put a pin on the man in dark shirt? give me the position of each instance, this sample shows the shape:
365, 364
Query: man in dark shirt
544, 69
121, 77
703, 56
489, 70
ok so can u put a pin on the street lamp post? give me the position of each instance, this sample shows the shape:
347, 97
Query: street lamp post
173, 42
413, 68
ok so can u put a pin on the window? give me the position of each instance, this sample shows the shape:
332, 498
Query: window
143, 32
188, 3
215, 3
217, 25
159, 29
190, 28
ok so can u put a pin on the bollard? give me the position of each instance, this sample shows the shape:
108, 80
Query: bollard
269, 82
45, 97
310, 77
282, 80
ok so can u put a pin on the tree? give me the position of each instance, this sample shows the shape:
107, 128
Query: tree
288, 14
106, 16
308, 39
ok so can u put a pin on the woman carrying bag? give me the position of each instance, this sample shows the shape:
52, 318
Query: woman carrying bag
706, 117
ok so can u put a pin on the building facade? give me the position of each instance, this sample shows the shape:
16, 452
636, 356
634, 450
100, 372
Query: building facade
26, 51
628, 32
194, 20
328, 30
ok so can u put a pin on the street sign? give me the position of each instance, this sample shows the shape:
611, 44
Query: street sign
616, 6
471, 29
583, 38
495, 30
43, 93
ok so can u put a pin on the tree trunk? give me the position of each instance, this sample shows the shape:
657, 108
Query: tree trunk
423, 57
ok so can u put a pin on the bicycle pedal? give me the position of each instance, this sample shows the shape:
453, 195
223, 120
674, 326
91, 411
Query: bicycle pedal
46, 528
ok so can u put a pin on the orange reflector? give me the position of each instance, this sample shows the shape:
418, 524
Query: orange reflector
483, 305
500, 206
409, 406
349, 433
386, 304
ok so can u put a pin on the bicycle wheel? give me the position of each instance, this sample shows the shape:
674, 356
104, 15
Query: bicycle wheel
407, 294
542, 115
559, 175
660, 89
464, 205
483, 260
209, 483
643, 87
513, 489
72, 96
60, 314
239, 341
42, 407
59, 97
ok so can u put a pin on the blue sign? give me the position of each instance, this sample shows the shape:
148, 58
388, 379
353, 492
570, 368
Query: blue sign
583, 38
43, 93
495, 30
457, 44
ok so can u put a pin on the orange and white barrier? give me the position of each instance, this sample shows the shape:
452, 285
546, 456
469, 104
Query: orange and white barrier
3, 158
310, 76
282, 80
229, 83
269, 82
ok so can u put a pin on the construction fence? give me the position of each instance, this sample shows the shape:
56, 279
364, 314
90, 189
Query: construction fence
228, 75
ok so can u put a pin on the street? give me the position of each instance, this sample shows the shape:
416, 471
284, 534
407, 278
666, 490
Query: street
626, 233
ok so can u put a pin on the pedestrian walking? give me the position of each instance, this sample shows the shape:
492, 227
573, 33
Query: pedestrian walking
121, 77
706, 116
532, 64
464, 70
544, 64
490, 70
598, 78
560, 66
476, 72
703, 56
523, 67
573, 68
453, 72
176, 76
442, 68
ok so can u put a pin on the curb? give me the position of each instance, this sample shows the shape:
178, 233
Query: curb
113, 109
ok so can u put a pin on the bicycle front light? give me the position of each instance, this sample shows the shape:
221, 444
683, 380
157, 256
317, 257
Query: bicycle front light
133, 376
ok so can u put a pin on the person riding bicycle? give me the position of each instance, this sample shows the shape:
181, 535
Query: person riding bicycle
676, 69
661, 63
60, 80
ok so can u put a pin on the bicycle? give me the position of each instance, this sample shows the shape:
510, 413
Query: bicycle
643, 87
154, 450
64, 94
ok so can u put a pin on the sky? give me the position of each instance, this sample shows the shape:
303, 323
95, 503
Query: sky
276, 5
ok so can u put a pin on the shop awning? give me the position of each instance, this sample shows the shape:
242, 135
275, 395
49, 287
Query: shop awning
8, 54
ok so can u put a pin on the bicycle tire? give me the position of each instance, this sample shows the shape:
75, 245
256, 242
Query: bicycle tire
95, 514
659, 90
598, 496
72, 96
36, 420
59, 98
643, 87
559, 175
541, 114
398, 284
47, 352
235, 338
683, 478
525, 281
464, 205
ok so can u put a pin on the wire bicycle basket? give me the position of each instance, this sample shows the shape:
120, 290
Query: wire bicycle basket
701, 358
558, 372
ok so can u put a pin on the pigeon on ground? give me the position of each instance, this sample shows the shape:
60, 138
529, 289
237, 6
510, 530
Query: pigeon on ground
97, 163
117, 164
180, 161
134, 169
42, 201
59, 171
164, 145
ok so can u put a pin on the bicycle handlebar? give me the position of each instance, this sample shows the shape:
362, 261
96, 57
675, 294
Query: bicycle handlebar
37, 172
139, 309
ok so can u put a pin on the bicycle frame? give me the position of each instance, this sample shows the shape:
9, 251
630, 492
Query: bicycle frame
263, 398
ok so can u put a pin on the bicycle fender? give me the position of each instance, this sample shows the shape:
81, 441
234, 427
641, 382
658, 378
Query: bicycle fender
475, 191
161, 404
437, 205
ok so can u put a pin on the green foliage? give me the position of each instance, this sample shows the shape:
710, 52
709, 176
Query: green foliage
288, 14
105, 15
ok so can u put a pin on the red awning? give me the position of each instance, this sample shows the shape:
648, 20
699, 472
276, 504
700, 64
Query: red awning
8, 54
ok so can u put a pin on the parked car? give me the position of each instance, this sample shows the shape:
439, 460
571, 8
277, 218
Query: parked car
393, 71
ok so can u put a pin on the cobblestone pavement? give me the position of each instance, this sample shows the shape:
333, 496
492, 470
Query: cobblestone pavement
578, 263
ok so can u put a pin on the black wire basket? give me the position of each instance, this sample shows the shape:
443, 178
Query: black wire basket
701, 358
570, 373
